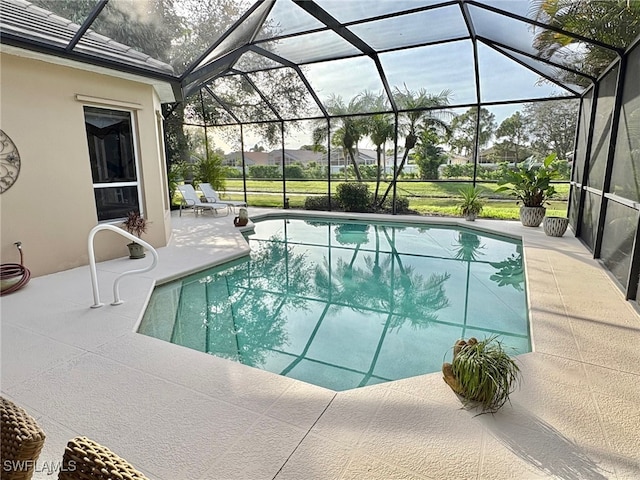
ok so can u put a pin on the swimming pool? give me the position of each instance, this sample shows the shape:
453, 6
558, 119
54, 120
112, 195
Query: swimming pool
345, 304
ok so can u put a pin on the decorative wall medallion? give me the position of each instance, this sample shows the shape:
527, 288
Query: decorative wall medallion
9, 162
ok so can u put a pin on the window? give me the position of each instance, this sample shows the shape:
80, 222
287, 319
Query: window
113, 162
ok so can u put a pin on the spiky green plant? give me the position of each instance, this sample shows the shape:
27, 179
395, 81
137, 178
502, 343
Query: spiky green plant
486, 374
471, 203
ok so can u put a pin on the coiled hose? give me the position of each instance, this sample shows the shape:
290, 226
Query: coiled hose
13, 275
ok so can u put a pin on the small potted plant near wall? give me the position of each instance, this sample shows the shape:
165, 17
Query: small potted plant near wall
136, 225
555, 226
470, 205
482, 372
530, 182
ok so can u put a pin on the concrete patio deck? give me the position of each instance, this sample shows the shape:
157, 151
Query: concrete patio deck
180, 414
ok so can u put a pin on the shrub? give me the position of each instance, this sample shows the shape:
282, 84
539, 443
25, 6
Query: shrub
319, 203
293, 171
210, 170
354, 197
264, 171
564, 169
232, 172
402, 205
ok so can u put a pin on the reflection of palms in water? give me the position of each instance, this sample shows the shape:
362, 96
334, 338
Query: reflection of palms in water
510, 271
246, 319
468, 247
381, 286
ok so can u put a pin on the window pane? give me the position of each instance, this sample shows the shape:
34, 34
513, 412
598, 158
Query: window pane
287, 18
602, 129
583, 133
110, 141
444, 24
241, 35
346, 79
116, 202
347, 11
242, 99
548, 69
523, 36
434, 68
311, 47
295, 102
617, 241
503, 79
573, 212
625, 180
590, 219
251, 62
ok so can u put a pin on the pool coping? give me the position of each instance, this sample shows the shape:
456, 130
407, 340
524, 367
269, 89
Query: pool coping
347, 217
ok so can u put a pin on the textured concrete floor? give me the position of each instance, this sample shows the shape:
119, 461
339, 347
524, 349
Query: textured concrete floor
179, 414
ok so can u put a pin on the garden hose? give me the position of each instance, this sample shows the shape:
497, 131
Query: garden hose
14, 276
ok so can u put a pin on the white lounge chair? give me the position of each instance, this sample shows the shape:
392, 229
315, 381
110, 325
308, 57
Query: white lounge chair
191, 200
212, 196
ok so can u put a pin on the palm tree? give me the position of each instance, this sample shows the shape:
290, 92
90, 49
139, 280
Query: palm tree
418, 115
614, 22
380, 128
349, 128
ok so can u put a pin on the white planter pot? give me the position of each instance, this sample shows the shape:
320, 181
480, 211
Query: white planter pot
135, 250
532, 216
555, 226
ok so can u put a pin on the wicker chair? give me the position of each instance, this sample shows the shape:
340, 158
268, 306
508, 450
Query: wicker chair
21, 442
85, 459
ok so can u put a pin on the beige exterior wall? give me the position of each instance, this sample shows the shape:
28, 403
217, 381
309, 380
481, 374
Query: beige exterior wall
51, 207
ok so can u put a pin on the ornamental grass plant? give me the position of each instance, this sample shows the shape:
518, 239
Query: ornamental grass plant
484, 373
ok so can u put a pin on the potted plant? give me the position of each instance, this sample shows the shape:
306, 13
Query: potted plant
482, 372
530, 182
555, 226
471, 204
136, 225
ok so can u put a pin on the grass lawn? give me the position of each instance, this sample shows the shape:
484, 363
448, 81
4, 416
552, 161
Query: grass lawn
406, 188
426, 198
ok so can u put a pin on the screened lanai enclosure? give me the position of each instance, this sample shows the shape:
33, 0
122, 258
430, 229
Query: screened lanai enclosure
287, 99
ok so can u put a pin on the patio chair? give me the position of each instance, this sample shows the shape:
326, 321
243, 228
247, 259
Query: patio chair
85, 459
22, 441
212, 196
191, 200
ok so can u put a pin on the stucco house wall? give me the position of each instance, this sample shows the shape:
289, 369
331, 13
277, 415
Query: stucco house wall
51, 207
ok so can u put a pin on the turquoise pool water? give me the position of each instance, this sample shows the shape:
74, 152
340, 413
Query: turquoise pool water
344, 305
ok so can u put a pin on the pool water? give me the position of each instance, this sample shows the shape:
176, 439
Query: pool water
344, 305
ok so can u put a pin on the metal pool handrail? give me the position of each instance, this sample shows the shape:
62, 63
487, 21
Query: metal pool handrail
116, 283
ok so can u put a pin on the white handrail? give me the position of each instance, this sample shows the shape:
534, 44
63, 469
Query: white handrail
116, 283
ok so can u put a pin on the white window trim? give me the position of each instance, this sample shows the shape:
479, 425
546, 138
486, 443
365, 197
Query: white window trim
107, 102
136, 154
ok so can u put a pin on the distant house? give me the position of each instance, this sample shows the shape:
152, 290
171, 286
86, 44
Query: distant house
234, 159
303, 157
338, 160
458, 160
